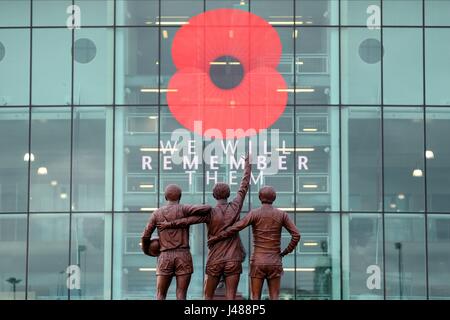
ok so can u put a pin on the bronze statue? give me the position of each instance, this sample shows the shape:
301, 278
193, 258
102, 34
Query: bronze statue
224, 257
265, 262
175, 258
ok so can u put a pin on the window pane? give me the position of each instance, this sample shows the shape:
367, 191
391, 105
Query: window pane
276, 13
403, 160
91, 252
359, 12
13, 241
402, 66
405, 257
361, 159
96, 12
92, 159
178, 12
317, 159
318, 257
14, 64
137, 66
317, 65
136, 159
361, 53
437, 13
231, 4
52, 75
437, 66
137, 12
439, 256
50, 171
318, 12
402, 12
93, 66
362, 254
14, 13
14, 159
48, 260
438, 159
52, 13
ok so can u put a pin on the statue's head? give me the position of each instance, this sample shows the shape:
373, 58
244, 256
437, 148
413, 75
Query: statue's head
267, 194
172, 192
221, 191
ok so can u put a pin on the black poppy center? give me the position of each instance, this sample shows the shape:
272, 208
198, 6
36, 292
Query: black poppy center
226, 72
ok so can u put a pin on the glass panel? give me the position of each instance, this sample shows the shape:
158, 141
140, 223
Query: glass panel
14, 159
438, 159
48, 266
232, 4
94, 67
178, 12
186, 172
317, 159
137, 12
318, 257
96, 12
53, 13
52, 75
402, 12
403, 66
439, 256
92, 159
437, 13
317, 65
13, 241
136, 159
134, 273
362, 254
137, 66
405, 257
437, 66
360, 12
318, 12
361, 52
403, 160
50, 171
14, 64
91, 252
276, 13
361, 159
14, 13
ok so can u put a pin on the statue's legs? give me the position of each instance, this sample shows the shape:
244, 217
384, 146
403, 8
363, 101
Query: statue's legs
211, 283
162, 285
256, 287
182, 286
231, 283
274, 288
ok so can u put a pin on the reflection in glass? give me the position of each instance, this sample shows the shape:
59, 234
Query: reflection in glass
137, 12
13, 237
14, 159
439, 256
405, 257
362, 237
50, 171
91, 252
404, 188
92, 159
49, 257
361, 159
438, 159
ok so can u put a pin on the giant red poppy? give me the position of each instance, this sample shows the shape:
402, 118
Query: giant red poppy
221, 37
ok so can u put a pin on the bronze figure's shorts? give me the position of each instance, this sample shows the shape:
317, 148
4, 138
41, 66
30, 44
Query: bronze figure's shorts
265, 271
227, 268
175, 262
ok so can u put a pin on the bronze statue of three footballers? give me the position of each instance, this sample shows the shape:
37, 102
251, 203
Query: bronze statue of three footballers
226, 252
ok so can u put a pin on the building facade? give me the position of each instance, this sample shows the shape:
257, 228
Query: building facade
87, 148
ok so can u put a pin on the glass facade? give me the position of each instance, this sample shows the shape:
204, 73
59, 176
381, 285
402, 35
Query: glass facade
86, 147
